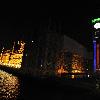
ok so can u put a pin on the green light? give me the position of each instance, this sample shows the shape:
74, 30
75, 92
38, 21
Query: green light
95, 20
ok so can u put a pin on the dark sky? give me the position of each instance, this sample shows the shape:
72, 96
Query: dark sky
73, 18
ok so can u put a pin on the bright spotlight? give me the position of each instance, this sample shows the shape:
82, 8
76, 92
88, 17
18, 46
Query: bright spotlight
97, 26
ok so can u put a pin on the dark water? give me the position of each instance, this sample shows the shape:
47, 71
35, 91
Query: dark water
25, 88
9, 86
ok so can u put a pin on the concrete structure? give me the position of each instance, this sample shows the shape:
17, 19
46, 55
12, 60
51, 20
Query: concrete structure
51, 52
74, 47
44, 53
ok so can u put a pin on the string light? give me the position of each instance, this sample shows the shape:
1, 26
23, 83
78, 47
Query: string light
12, 58
77, 66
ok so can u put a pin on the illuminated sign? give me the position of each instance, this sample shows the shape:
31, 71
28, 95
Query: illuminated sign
97, 25
94, 43
95, 20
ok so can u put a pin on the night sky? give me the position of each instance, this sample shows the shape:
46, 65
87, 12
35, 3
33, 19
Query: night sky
70, 18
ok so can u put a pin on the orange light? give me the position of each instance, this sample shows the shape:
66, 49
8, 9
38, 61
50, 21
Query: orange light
61, 70
15, 59
73, 76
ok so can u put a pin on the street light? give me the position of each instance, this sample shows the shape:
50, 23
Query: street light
97, 26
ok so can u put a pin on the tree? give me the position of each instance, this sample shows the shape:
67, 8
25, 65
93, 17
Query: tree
77, 64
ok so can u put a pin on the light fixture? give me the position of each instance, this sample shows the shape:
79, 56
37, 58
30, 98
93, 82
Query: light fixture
97, 26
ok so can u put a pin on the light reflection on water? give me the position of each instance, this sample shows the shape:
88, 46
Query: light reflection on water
9, 86
12, 88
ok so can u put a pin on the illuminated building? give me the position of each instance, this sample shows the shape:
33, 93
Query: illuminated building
74, 53
96, 44
12, 58
77, 64
58, 53
50, 53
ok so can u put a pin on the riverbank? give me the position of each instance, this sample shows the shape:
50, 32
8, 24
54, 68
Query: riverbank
18, 72
29, 73
82, 83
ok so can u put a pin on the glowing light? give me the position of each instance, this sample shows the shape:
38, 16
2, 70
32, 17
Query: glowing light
96, 37
73, 76
95, 20
97, 25
18, 42
98, 56
88, 75
77, 66
12, 59
41, 65
94, 44
9, 87
61, 70
76, 71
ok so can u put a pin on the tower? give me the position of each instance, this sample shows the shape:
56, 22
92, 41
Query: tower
96, 44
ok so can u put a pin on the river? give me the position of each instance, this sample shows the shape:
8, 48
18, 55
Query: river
24, 88
9, 86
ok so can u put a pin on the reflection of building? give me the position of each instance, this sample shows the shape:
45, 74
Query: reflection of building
12, 58
98, 55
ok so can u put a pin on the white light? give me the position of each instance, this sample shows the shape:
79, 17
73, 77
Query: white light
32, 41
97, 25
86, 69
18, 42
41, 65
96, 37
88, 75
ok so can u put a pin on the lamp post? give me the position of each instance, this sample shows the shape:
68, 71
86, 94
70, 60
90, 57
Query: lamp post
96, 44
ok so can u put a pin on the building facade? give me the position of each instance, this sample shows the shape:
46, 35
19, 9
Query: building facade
53, 52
